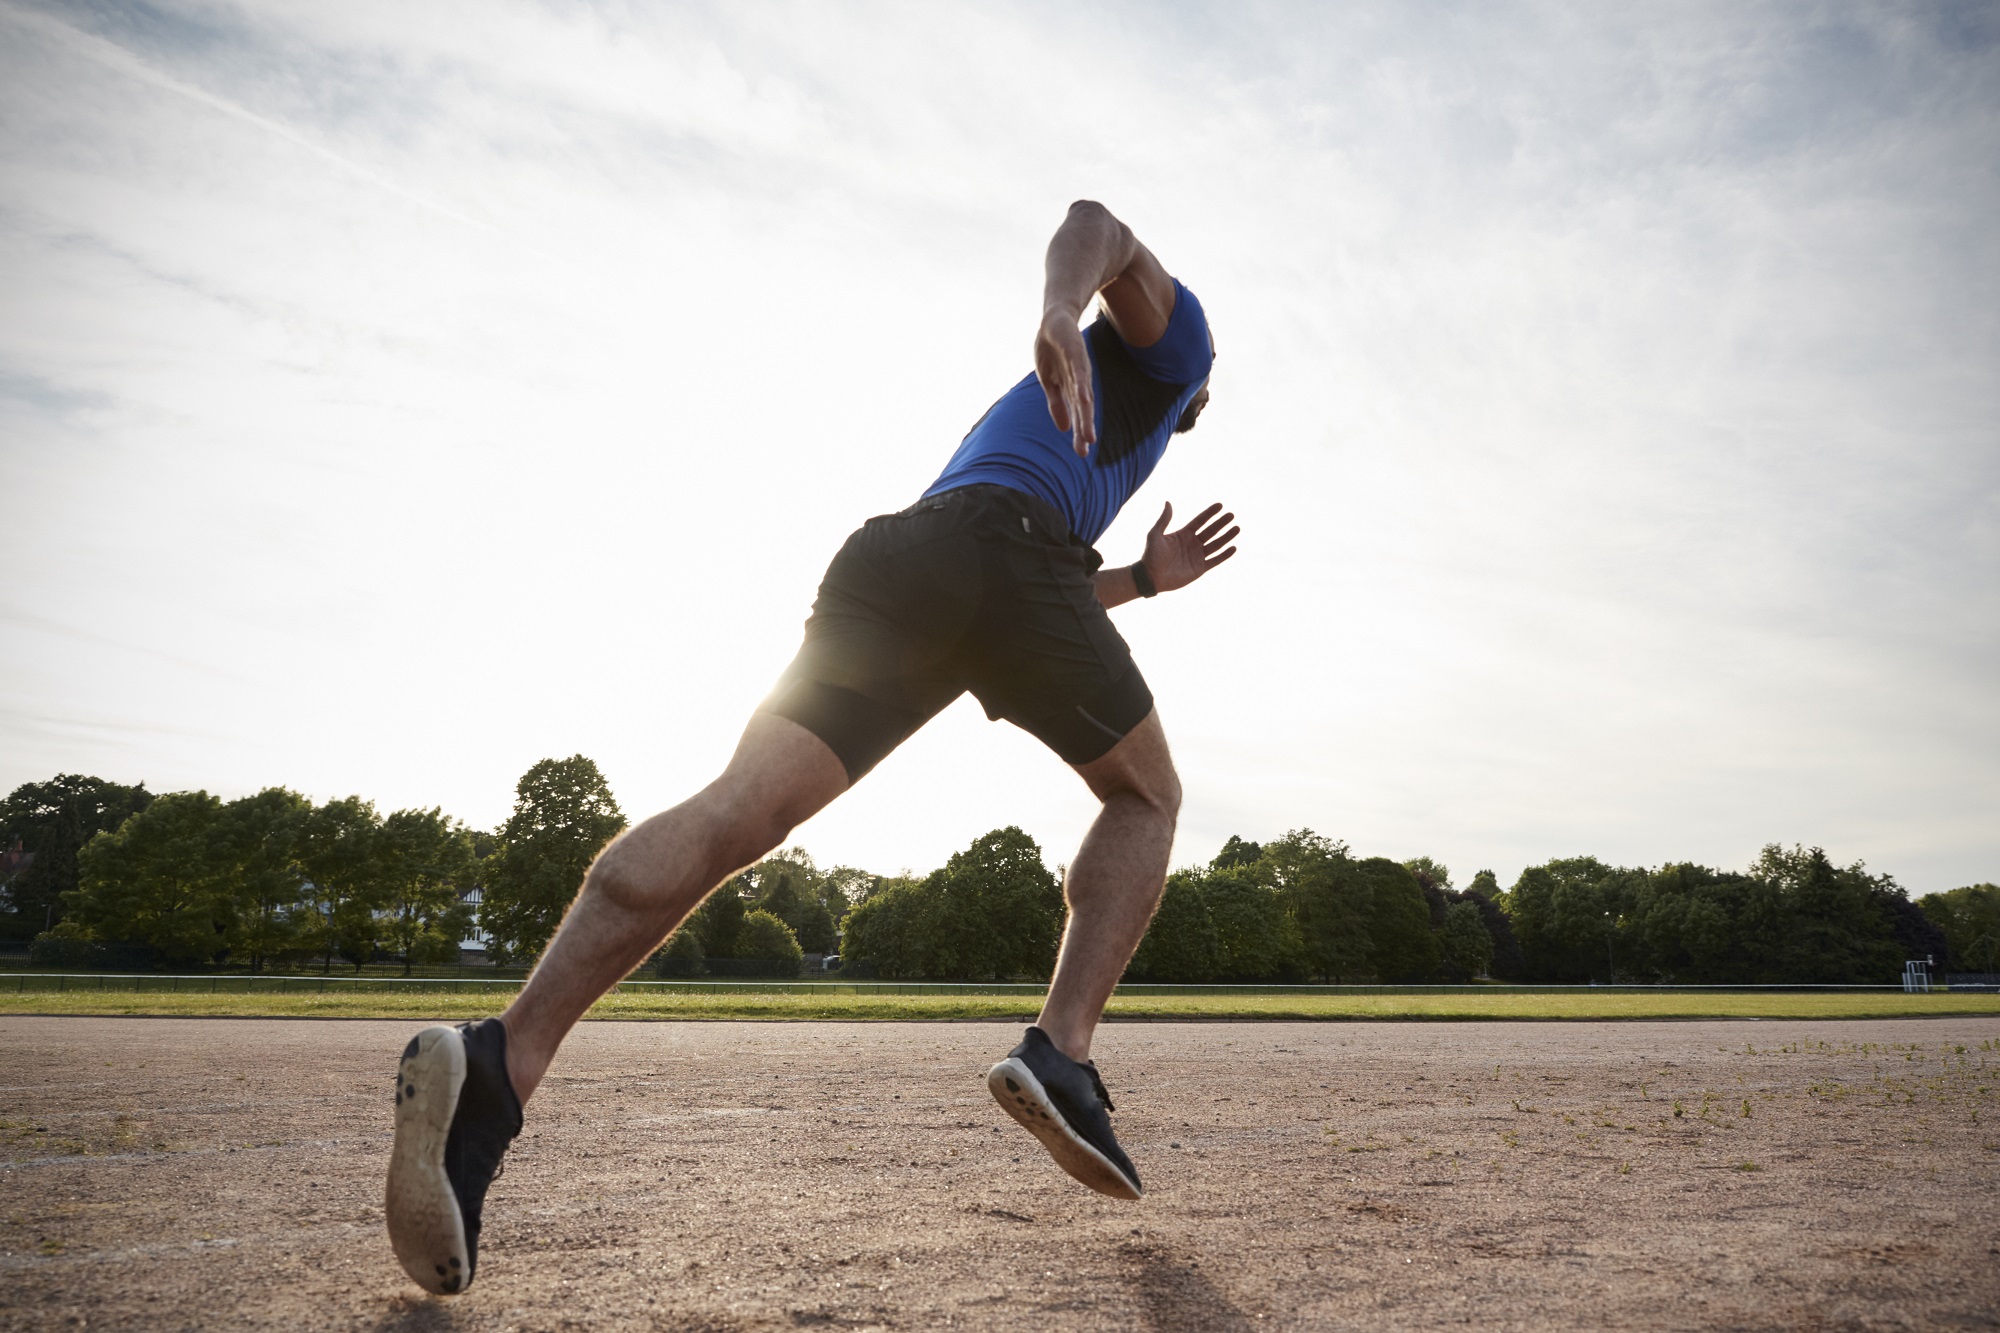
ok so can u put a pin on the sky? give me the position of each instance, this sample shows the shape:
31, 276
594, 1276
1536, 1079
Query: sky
392, 396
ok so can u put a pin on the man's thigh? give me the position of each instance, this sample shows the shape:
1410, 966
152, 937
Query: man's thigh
783, 770
1139, 765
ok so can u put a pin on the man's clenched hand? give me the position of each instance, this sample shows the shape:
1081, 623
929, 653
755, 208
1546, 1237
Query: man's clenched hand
1176, 559
1062, 364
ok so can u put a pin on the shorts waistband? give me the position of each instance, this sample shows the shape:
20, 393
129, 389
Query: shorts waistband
1043, 514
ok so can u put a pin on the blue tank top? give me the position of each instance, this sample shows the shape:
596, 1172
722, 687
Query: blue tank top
1141, 393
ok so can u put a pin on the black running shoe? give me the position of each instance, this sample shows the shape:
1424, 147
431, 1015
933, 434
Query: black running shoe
1063, 1104
456, 1112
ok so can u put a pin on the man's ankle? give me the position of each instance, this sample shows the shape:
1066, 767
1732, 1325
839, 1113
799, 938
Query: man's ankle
523, 1075
1066, 1039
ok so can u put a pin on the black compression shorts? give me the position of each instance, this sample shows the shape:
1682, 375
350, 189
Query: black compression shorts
980, 588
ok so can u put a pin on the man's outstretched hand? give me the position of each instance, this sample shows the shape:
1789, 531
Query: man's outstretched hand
1062, 364
1176, 559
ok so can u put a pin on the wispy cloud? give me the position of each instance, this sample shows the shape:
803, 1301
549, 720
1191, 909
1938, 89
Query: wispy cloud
25, 623
117, 59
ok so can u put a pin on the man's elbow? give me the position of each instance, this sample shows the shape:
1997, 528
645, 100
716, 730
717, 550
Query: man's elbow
1093, 216
1090, 213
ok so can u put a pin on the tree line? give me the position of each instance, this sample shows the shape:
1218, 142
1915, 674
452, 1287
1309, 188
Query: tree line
1301, 908
113, 875
265, 879
109, 873
1306, 908
117, 875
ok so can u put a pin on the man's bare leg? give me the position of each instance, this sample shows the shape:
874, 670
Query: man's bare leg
653, 875
1114, 883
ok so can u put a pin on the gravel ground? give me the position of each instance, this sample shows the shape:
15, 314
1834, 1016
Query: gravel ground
167, 1173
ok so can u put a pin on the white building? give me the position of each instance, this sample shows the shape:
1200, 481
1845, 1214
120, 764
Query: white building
475, 935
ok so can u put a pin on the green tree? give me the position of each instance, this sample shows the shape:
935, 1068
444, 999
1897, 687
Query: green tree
159, 880
788, 885
1686, 922
1329, 903
256, 846
1565, 914
1402, 946
1970, 920
1915, 935
1464, 953
894, 930
1002, 909
719, 919
768, 939
993, 911
1181, 945
1236, 852
563, 816
1485, 893
1841, 924
51, 821
1465, 947
1221, 923
680, 956
1256, 937
1431, 876
1794, 917
844, 886
337, 850
424, 865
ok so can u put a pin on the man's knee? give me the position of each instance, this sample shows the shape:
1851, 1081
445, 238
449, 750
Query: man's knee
780, 776
624, 875
698, 842
1160, 790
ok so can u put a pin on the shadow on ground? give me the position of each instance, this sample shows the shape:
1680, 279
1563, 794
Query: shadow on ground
418, 1314
1176, 1296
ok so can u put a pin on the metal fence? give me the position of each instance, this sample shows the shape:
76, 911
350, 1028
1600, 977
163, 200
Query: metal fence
239, 984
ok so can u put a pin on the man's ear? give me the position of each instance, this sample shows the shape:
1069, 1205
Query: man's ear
1192, 412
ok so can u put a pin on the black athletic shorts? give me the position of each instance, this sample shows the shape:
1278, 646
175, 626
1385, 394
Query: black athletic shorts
981, 588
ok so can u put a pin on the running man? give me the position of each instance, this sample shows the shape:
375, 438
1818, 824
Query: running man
989, 583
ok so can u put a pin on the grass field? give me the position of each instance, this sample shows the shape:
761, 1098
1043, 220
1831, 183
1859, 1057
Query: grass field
754, 1005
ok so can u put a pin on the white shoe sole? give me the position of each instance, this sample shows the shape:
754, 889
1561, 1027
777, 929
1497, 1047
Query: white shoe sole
1022, 1096
424, 1222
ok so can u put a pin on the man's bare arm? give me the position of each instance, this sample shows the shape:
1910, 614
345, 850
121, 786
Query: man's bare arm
1094, 253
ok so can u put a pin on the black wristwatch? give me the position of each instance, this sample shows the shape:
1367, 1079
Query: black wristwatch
1147, 588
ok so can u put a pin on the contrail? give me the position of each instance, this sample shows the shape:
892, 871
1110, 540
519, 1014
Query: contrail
18, 618
113, 56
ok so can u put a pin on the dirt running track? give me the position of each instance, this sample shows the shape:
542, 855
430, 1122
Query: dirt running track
165, 1174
